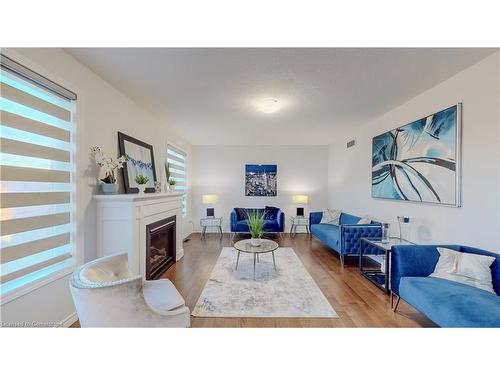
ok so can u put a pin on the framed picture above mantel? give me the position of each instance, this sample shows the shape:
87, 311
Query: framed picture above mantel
420, 161
139, 161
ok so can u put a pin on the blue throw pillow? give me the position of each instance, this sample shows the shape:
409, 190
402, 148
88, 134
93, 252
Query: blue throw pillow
271, 213
240, 214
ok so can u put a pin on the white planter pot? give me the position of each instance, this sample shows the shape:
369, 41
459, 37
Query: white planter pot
255, 241
109, 188
141, 189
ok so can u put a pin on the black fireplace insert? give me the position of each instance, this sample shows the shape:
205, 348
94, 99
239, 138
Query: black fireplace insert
160, 247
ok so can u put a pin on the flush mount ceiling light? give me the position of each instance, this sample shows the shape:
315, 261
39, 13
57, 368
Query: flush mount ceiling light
269, 105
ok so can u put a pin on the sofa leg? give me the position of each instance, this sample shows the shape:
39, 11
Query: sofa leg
394, 306
341, 260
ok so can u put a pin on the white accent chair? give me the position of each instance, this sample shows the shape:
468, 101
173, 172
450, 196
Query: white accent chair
107, 294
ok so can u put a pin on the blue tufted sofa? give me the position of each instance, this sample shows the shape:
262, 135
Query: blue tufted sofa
239, 224
344, 238
447, 303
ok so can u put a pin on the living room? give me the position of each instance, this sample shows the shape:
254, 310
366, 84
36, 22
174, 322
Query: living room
250, 186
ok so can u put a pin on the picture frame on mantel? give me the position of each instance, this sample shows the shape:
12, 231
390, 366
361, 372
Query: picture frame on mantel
139, 161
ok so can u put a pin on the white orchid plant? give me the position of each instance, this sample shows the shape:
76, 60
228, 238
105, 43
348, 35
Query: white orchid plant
107, 163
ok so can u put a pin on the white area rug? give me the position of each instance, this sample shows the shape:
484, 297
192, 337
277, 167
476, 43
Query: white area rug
288, 292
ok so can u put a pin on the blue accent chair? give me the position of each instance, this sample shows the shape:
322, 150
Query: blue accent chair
447, 303
239, 224
344, 238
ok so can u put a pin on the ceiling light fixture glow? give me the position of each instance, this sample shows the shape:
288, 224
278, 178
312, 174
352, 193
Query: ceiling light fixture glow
269, 105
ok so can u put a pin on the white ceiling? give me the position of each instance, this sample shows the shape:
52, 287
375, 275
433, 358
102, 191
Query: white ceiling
207, 95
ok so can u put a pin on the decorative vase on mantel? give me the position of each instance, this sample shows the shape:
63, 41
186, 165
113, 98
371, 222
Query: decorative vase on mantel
109, 188
141, 188
157, 186
110, 165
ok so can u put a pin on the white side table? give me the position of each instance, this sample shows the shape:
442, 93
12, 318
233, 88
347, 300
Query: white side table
298, 221
211, 222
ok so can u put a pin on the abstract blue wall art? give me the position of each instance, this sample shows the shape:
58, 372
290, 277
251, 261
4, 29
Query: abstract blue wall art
420, 161
260, 180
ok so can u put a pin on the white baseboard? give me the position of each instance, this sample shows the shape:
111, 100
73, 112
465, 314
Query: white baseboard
69, 320
180, 254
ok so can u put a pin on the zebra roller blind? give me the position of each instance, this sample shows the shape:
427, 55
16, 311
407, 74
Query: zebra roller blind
177, 160
37, 179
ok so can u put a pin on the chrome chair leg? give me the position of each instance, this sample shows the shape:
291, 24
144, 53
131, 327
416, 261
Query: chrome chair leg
254, 258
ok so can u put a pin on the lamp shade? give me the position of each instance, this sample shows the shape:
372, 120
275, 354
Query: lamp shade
210, 198
300, 199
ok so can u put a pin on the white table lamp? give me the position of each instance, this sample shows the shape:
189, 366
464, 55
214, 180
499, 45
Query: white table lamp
210, 199
302, 200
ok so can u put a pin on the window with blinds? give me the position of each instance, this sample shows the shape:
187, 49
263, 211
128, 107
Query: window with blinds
177, 160
36, 177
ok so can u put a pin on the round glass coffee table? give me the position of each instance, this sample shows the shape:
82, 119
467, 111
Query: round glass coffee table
266, 246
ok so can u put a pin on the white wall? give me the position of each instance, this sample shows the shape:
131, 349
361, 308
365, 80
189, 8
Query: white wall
477, 223
102, 111
221, 170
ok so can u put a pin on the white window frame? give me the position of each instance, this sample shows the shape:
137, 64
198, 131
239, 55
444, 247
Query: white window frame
77, 197
186, 175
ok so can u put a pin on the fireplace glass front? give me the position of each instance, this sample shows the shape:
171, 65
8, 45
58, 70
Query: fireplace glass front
160, 247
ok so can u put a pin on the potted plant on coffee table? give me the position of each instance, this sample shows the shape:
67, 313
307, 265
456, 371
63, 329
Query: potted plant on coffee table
109, 165
256, 220
141, 183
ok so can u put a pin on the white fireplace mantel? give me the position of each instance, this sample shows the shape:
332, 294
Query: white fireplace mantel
122, 220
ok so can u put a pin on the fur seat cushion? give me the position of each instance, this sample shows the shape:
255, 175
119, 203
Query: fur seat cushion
162, 295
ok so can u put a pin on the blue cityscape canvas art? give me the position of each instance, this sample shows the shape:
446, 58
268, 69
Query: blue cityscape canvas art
260, 180
420, 161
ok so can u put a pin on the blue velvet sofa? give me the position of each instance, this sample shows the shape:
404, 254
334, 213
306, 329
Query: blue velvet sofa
447, 303
343, 238
239, 223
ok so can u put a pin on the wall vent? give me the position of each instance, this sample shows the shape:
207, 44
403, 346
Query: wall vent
351, 143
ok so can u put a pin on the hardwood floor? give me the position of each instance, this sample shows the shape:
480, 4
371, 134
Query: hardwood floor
357, 301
